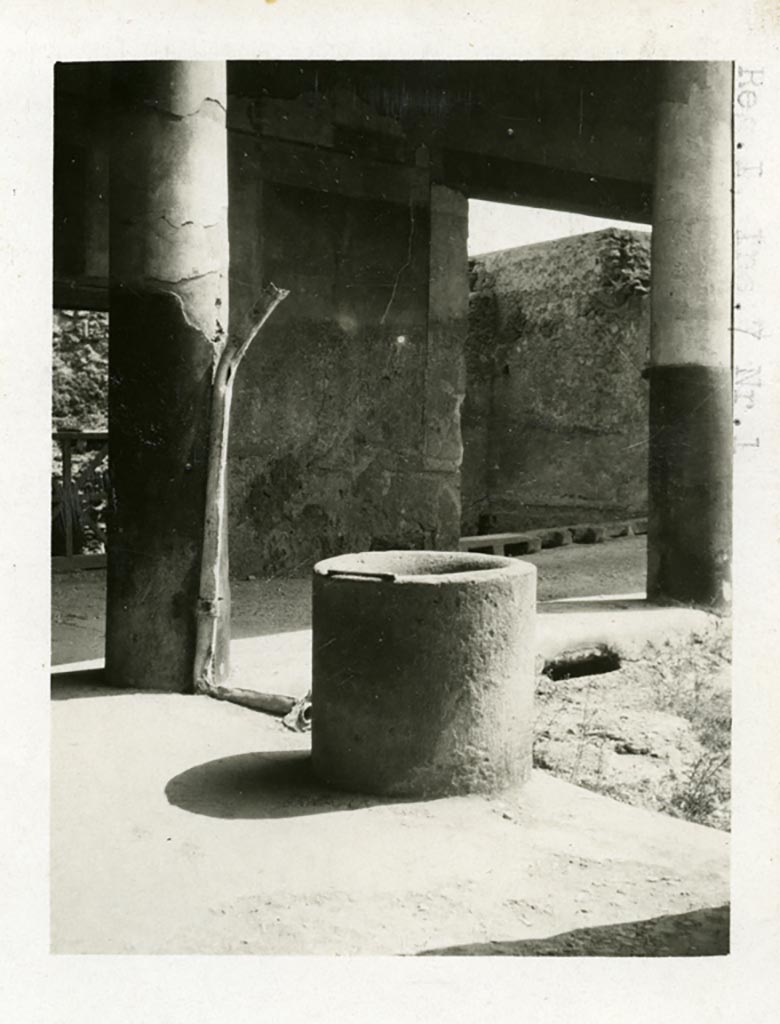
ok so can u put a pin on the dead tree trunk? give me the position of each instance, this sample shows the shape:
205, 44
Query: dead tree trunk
211, 666
214, 595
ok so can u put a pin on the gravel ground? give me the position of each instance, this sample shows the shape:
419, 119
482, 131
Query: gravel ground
654, 733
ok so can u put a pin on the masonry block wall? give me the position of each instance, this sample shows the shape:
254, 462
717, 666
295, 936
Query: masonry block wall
555, 416
346, 422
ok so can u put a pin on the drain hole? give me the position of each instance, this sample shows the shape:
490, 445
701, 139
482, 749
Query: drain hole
529, 546
590, 661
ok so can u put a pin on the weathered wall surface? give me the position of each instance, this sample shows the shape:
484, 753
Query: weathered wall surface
346, 416
555, 415
346, 432
346, 420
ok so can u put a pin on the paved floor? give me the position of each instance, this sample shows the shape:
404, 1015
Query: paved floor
184, 825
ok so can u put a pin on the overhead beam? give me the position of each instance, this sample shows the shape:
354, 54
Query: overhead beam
529, 184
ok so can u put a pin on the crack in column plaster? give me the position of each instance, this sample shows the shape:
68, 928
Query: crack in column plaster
173, 116
164, 282
188, 223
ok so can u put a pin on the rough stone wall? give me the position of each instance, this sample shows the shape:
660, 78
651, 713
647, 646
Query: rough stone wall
346, 431
79, 402
555, 415
79, 370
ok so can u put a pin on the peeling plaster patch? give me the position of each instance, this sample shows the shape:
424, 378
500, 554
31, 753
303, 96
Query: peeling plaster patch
212, 337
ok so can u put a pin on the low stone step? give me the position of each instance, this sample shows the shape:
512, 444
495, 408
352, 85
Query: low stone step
528, 542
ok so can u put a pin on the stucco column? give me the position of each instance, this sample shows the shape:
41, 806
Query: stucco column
689, 530
169, 297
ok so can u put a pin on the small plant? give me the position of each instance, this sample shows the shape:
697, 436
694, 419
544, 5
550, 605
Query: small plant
625, 268
704, 792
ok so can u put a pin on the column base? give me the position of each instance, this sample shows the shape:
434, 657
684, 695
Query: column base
689, 485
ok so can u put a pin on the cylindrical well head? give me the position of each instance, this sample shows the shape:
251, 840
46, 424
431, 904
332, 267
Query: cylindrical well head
423, 672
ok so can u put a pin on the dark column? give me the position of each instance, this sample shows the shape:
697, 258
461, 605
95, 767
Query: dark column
689, 531
169, 298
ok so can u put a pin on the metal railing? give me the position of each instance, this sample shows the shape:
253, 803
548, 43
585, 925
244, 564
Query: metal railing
80, 491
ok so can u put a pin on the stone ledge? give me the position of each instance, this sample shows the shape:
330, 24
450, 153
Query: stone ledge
528, 542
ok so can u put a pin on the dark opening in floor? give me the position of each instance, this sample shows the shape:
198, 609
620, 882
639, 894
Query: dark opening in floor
590, 661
